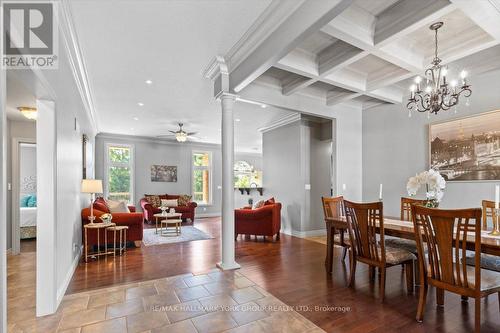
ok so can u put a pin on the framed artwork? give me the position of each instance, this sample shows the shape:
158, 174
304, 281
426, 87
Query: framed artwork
163, 173
467, 149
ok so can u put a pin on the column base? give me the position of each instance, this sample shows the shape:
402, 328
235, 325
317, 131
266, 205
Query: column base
228, 267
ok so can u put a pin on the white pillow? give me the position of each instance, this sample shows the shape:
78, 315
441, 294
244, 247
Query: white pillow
117, 206
258, 204
169, 203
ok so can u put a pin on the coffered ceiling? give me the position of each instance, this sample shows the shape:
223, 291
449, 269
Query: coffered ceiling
368, 51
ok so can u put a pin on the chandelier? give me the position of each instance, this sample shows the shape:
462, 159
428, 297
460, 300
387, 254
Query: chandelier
437, 94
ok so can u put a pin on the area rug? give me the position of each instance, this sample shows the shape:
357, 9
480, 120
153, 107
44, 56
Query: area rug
188, 234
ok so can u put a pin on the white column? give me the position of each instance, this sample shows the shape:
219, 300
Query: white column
228, 258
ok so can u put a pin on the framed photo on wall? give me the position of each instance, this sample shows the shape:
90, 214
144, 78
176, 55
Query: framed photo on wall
164, 173
467, 149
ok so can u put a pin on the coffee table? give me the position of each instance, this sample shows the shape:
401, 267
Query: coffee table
160, 216
176, 223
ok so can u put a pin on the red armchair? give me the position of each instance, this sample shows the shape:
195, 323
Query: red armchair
148, 210
133, 220
264, 221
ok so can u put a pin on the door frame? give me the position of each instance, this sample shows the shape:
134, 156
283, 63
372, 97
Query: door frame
16, 191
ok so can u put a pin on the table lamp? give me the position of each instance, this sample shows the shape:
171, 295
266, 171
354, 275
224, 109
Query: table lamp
92, 186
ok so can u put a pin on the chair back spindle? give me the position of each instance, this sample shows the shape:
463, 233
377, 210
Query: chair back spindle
406, 207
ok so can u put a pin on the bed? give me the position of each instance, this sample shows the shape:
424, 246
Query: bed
27, 222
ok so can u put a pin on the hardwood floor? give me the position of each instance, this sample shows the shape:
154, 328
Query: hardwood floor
292, 270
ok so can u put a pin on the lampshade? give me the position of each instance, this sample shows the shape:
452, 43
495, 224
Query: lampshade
92, 186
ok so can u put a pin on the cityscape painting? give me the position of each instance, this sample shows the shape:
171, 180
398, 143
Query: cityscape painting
467, 149
163, 173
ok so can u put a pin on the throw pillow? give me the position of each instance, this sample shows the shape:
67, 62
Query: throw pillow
24, 201
31, 201
117, 206
169, 203
184, 200
270, 201
99, 205
258, 204
154, 200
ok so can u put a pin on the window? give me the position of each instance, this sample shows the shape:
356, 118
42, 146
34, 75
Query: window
202, 173
119, 172
246, 176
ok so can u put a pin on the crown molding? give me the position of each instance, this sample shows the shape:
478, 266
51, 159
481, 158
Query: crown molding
77, 62
270, 19
216, 67
281, 122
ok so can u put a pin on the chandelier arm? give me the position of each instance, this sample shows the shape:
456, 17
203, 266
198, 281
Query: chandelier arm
421, 107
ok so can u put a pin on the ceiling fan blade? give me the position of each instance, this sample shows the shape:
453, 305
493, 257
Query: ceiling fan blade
173, 132
191, 133
165, 136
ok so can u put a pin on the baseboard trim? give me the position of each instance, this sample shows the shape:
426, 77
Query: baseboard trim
62, 290
305, 234
207, 215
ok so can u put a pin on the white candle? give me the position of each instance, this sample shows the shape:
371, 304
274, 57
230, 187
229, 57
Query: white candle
380, 192
497, 196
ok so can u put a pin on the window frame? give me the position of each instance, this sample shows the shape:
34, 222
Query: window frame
130, 164
210, 176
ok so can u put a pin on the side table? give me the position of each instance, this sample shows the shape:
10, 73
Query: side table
122, 233
97, 227
165, 217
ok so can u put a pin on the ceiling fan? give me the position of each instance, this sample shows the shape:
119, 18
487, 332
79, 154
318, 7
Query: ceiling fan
180, 135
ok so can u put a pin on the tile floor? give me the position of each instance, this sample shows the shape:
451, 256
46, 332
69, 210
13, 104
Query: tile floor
213, 302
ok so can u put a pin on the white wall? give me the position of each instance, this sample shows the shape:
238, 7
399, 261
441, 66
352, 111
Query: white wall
395, 147
15, 129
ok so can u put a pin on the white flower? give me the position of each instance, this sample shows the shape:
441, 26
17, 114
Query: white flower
434, 182
412, 186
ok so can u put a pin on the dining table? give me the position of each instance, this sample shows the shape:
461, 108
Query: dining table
404, 229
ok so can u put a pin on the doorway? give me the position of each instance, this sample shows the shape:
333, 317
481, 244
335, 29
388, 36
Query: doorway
24, 196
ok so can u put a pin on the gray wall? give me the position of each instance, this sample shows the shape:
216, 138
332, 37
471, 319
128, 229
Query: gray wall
16, 129
148, 152
395, 147
295, 155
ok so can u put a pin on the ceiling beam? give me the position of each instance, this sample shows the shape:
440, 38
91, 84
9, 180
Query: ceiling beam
335, 96
307, 19
338, 55
295, 85
407, 16
485, 14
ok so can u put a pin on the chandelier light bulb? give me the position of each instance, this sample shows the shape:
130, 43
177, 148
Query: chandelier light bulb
444, 71
453, 83
418, 79
413, 88
428, 89
463, 74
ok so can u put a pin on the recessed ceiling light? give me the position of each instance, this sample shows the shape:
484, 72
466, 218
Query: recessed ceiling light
263, 106
237, 119
140, 104
135, 118
149, 82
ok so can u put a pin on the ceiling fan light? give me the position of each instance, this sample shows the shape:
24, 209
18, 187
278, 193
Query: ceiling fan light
181, 136
28, 112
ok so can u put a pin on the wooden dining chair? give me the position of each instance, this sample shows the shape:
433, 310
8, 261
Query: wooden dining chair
488, 261
445, 232
364, 220
334, 208
406, 244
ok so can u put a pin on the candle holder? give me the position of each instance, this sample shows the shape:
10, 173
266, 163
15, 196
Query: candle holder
496, 224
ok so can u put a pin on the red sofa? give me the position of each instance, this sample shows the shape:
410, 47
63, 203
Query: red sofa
264, 221
133, 220
148, 210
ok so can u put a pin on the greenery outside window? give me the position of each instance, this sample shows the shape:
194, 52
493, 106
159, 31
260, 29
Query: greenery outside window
202, 173
119, 172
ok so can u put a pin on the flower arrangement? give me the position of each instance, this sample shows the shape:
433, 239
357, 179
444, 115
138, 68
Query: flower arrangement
434, 183
106, 218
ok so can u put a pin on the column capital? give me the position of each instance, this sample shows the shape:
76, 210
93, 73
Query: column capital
226, 95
